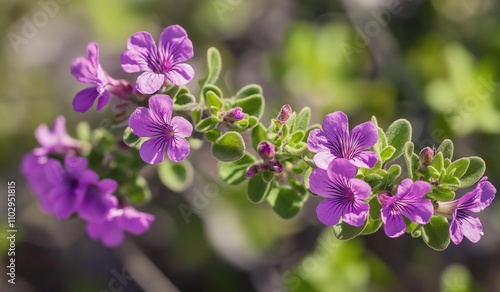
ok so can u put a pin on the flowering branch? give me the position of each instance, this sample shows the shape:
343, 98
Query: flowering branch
358, 171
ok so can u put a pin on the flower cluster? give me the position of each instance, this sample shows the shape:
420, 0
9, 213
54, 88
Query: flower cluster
98, 177
338, 156
64, 189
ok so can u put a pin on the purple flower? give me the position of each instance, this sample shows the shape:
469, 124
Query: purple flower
111, 230
55, 141
409, 201
32, 168
161, 63
89, 71
77, 189
344, 193
334, 141
165, 131
463, 223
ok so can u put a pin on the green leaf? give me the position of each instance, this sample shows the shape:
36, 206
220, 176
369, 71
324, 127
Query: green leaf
458, 167
213, 100
272, 133
267, 176
303, 119
398, 134
344, 231
372, 226
446, 148
392, 173
407, 154
296, 149
375, 208
234, 172
305, 179
229, 147
373, 179
252, 105
184, 102
258, 135
438, 161
177, 176
443, 195
285, 201
474, 172
248, 90
387, 153
130, 138
196, 115
436, 233
136, 190
258, 189
214, 66
212, 135
382, 140
297, 136
206, 124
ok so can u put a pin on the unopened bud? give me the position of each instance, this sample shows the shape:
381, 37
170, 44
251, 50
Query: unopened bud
121, 89
252, 170
266, 150
234, 114
425, 157
275, 166
284, 114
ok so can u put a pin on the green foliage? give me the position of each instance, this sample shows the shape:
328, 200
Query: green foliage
344, 231
229, 147
207, 124
285, 201
398, 134
130, 138
214, 67
258, 189
435, 234
233, 173
249, 90
474, 172
177, 176
136, 190
258, 135
446, 148
252, 105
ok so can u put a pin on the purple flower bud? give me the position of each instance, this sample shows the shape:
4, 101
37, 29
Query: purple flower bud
425, 157
284, 114
275, 166
121, 89
234, 114
266, 150
252, 170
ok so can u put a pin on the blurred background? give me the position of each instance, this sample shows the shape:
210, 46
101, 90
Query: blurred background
433, 62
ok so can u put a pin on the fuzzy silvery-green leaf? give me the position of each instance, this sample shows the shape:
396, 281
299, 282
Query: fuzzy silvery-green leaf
297, 136
375, 208
234, 172
446, 148
297, 149
372, 226
387, 153
229, 147
303, 119
373, 179
214, 66
442, 194
212, 135
305, 179
248, 90
474, 172
206, 124
210, 87
267, 176
184, 102
438, 161
252, 105
177, 176
398, 134
258, 135
458, 167
436, 233
285, 201
258, 189
213, 100
344, 231
407, 154
392, 173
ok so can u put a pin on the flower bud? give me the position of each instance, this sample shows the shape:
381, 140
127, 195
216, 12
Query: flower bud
275, 166
252, 170
284, 114
425, 157
266, 150
121, 89
234, 114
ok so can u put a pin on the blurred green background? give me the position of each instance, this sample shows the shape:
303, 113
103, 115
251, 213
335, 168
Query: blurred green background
433, 62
